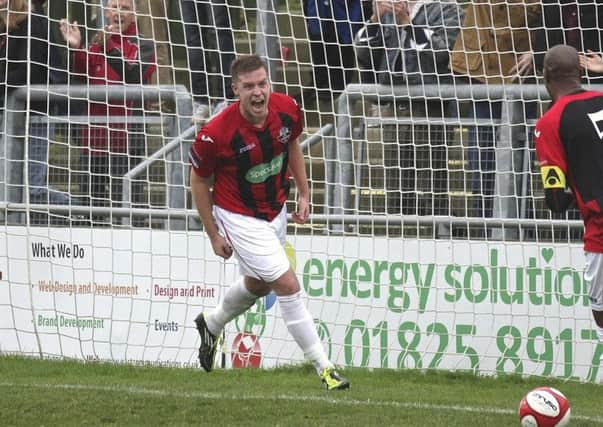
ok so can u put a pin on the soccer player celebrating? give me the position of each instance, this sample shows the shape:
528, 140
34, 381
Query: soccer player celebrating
247, 153
569, 145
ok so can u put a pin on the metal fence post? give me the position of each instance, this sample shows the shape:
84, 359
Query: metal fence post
267, 40
15, 154
177, 166
507, 165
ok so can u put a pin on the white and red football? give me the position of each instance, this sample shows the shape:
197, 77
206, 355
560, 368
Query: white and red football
544, 407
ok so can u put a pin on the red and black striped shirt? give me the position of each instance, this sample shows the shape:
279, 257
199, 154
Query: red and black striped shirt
569, 136
249, 164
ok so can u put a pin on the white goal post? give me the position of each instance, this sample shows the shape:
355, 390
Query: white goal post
412, 258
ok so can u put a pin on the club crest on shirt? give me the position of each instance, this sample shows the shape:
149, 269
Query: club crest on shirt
284, 135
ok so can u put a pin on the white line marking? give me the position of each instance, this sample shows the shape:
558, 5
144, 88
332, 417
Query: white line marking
292, 398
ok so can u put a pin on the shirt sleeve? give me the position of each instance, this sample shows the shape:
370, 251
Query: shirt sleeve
551, 155
202, 154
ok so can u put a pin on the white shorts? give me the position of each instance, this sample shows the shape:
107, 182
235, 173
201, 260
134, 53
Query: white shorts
593, 276
257, 244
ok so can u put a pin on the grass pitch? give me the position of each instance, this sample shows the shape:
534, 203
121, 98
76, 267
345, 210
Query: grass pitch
49, 392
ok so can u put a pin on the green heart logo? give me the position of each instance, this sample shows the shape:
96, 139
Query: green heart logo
547, 254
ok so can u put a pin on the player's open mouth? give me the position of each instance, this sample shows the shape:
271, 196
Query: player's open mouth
258, 104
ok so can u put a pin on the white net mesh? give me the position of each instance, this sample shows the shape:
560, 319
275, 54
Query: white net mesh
429, 244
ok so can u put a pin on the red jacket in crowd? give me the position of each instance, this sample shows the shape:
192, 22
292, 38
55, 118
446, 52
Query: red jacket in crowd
124, 59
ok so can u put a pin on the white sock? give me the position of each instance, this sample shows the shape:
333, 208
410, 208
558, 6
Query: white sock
302, 329
236, 301
600, 333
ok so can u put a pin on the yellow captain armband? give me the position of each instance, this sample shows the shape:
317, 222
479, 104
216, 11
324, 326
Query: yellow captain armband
552, 177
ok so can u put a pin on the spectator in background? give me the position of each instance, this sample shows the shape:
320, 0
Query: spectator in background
208, 23
592, 62
493, 47
574, 23
409, 43
58, 72
152, 20
331, 28
116, 56
24, 61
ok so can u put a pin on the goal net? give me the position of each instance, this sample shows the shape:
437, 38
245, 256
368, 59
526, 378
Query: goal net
429, 244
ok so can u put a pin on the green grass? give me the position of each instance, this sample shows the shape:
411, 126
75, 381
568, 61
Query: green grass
47, 392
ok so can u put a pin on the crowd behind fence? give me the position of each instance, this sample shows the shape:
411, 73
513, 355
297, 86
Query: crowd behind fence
419, 178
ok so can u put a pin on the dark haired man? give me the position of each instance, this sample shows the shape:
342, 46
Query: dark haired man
569, 145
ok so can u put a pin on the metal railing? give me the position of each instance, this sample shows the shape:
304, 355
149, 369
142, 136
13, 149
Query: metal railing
14, 153
343, 175
180, 132
340, 164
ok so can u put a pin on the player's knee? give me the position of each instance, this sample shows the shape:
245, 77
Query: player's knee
257, 287
286, 284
